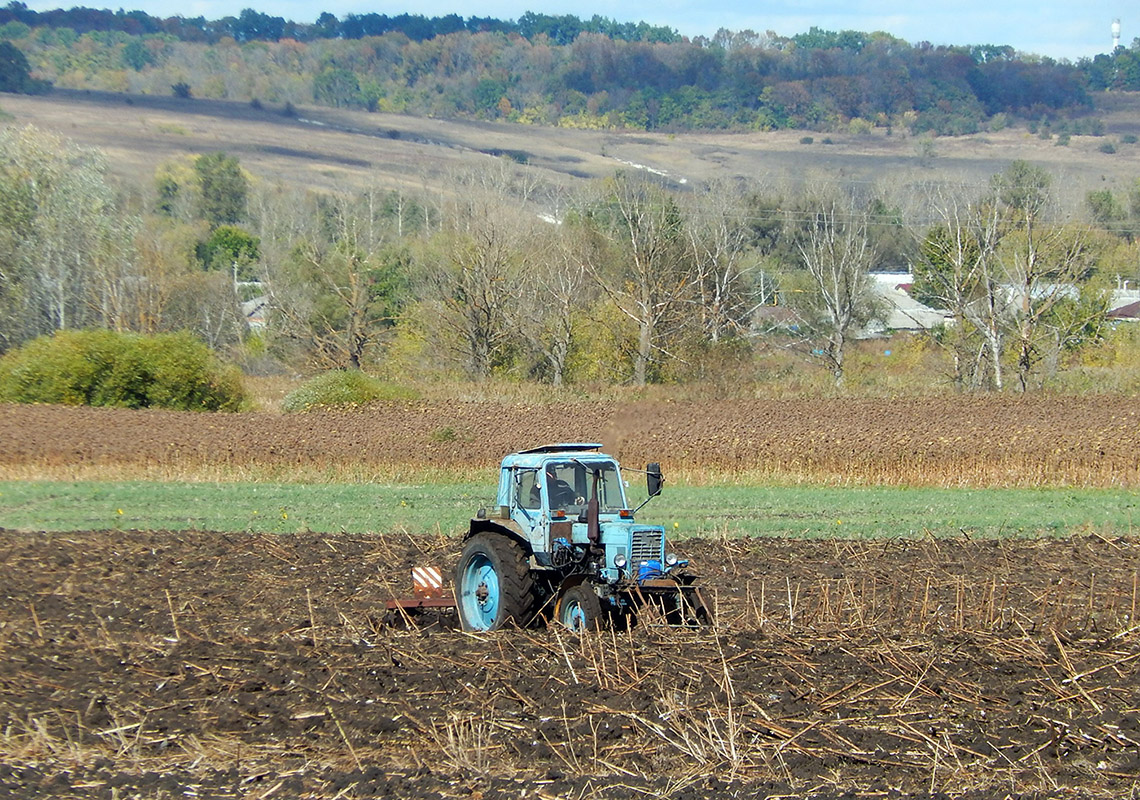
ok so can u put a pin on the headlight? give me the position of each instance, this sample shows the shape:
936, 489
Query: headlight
671, 560
620, 561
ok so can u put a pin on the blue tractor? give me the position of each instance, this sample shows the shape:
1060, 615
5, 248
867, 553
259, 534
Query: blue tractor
563, 544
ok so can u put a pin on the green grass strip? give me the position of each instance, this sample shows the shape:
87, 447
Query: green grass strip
849, 513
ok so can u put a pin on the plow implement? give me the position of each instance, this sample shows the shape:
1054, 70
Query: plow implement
429, 606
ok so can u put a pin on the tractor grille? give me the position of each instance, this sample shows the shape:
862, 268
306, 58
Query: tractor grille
647, 546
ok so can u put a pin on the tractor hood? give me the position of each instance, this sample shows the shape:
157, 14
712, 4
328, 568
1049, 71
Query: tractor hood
632, 550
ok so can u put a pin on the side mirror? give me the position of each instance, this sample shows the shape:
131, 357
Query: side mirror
653, 479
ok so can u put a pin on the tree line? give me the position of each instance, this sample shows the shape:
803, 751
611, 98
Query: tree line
554, 70
251, 25
507, 277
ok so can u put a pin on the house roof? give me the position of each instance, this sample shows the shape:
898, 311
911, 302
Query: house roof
1130, 312
906, 313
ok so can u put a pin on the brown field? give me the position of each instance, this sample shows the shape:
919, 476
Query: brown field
332, 149
219, 664
933, 441
172, 665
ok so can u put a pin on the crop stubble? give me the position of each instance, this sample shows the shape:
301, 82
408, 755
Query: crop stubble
227, 664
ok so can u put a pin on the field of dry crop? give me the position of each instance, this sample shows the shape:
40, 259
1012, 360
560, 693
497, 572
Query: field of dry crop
168, 665
939, 441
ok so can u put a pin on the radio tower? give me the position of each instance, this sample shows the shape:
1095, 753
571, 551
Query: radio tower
1115, 34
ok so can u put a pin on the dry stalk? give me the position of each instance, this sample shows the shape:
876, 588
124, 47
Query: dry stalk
173, 616
36, 621
566, 655
466, 743
344, 736
312, 620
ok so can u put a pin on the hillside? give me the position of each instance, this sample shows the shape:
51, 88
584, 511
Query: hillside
326, 149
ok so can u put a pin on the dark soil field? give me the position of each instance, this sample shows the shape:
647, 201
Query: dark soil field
172, 665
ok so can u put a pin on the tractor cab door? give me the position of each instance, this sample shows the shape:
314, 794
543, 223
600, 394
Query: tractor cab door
528, 508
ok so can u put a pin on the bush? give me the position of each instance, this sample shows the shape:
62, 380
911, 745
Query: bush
104, 368
343, 388
806, 140
1108, 148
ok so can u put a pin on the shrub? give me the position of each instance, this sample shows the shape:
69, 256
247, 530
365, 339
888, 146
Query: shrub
806, 140
1107, 147
343, 388
104, 368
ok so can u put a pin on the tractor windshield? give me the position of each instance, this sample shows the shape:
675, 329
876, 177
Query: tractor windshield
569, 483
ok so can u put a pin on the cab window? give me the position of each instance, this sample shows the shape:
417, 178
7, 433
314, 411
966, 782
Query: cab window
528, 495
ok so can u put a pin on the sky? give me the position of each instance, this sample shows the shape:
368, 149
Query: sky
1057, 28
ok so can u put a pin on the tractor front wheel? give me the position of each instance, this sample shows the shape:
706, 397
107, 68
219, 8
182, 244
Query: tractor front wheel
493, 584
579, 609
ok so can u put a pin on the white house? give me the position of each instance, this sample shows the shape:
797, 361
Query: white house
904, 312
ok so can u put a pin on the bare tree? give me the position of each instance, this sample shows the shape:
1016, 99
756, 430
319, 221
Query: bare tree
61, 224
1010, 277
1045, 267
726, 268
344, 290
474, 269
553, 294
837, 256
959, 272
644, 265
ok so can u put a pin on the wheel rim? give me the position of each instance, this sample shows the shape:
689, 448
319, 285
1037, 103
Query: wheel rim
574, 616
480, 592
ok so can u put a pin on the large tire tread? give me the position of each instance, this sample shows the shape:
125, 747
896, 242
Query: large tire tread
518, 597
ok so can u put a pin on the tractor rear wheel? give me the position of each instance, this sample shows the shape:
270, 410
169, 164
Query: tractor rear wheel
493, 584
579, 609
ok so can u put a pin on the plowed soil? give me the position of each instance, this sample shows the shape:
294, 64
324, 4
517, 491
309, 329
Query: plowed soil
941, 441
174, 665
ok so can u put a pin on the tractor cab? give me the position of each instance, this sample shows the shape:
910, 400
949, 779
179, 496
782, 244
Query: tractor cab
548, 490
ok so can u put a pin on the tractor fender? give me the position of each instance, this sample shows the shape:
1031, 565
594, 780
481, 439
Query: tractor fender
571, 581
507, 527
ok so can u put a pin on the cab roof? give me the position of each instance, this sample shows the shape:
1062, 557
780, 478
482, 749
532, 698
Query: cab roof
535, 457
564, 447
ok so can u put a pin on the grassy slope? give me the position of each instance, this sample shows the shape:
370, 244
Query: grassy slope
326, 149
445, 507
